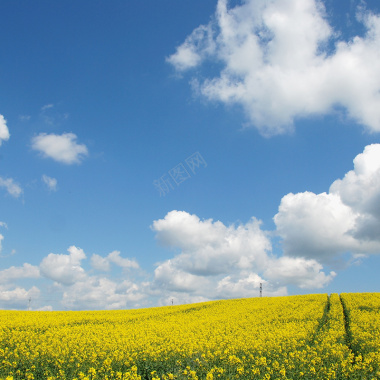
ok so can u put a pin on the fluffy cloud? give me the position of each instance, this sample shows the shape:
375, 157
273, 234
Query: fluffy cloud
12, 187
50, 182
347, 219
13, 296
298, 271
62, 148
277, 65
114, 257
101, 293
315, 226
73, 286
81, 290
100, 263
4, 132
16, 273
218, 261
103, 263
248, 286
360, 188
210, 248
64, 269
17, 298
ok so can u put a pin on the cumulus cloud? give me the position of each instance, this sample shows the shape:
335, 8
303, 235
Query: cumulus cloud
73, 286
209, 247
103, 263
315, 225
4, 131
64, 269
15, 273
248, 285
347, 219
62, 148
114, 257
17, 297
101, 293
100, 263
188, 55
11, 186
298, 271
218, 261
360, 188
50, 182
277, 63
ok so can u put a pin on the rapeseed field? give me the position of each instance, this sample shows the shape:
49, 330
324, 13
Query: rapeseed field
294, 337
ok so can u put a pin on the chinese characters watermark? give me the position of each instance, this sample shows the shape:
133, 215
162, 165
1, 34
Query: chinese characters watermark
180, 173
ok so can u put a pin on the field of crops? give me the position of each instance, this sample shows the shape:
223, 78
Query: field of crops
295, 337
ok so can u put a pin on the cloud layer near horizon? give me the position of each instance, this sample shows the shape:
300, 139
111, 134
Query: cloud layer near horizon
212, 260
282, 60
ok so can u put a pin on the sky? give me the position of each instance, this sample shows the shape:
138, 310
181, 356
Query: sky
158, 152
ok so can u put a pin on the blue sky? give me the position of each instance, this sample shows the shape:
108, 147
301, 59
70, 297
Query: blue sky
153, 151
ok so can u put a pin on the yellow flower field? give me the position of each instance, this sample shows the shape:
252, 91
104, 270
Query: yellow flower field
294, 337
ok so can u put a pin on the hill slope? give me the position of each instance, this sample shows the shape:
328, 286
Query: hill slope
295, 337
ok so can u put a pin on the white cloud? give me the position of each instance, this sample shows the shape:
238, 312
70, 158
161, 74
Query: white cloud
248, 286
115, 258
12, 188
170, 276
62, 148
4, 131
17, 298
315, 226
216, 261
17, 273
45, 308
298, 271
64, 269
100, 263
50, 182
189, 54
360, 188
101, 293
276, 63
210, 248
103, 263
73, 287
347, 219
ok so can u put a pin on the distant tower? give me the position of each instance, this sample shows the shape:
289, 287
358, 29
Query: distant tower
261, 289
29, 301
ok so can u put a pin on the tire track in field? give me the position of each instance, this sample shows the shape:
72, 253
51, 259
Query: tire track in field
322, 323
349, 338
